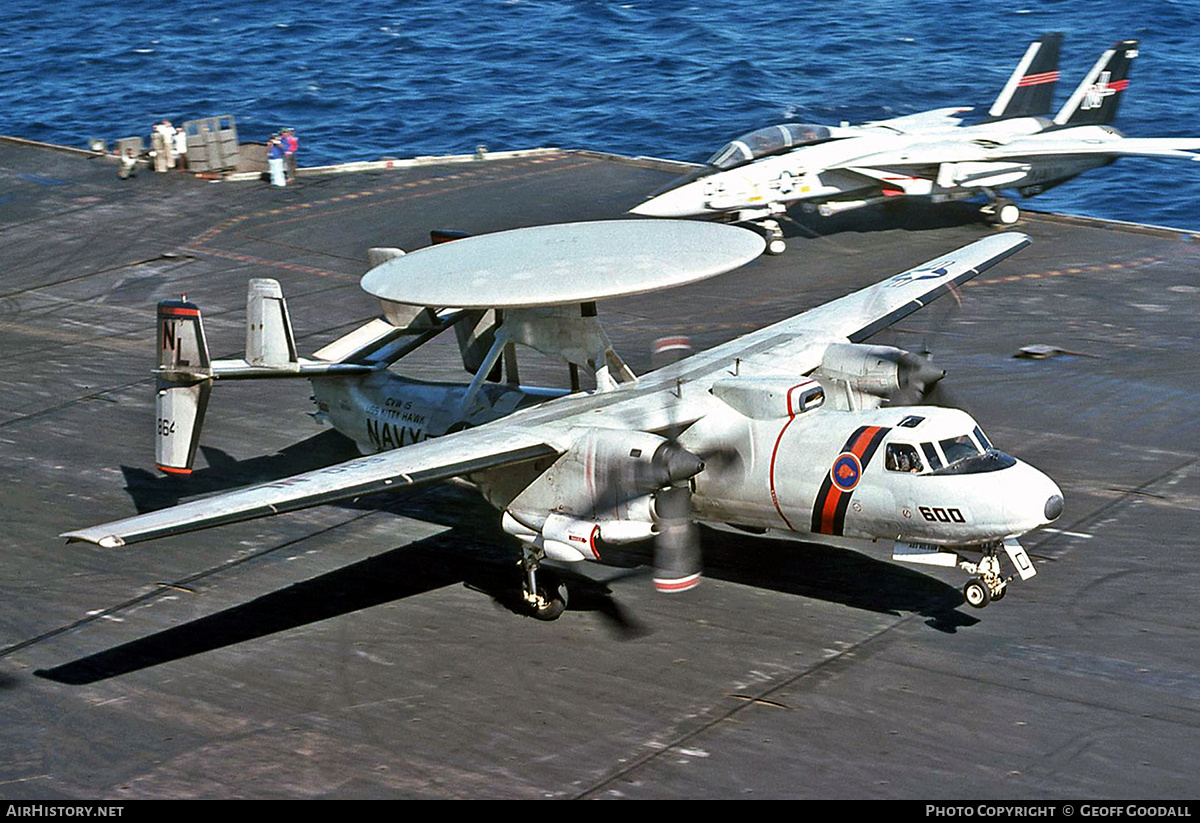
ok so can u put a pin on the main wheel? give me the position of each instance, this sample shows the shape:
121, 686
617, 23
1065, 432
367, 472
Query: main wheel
1005, 213
976, 593
552, 596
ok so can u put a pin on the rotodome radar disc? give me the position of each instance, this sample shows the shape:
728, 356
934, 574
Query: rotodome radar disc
563, 263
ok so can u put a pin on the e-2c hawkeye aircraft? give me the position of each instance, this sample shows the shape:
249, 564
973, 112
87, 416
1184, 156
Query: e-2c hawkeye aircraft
783, 432
754, 178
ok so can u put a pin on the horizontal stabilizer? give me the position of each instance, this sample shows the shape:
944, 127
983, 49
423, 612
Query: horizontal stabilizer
1107, 144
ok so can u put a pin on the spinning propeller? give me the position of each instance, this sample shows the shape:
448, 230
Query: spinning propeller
677, 559
918, 378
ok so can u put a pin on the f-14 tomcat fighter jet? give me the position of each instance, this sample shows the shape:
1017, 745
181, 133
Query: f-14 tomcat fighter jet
754, 178
782, 432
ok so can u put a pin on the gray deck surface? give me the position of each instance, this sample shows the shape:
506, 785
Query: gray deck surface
358, 650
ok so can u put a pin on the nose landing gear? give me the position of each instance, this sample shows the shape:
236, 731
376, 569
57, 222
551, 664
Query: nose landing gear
764, 220
988, 584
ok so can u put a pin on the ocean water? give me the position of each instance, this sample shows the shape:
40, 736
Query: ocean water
360, 80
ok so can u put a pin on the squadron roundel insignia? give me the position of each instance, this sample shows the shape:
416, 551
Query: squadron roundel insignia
846, 471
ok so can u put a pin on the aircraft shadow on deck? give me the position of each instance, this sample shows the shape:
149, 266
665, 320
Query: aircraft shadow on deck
151, 491
478, 555
906, 214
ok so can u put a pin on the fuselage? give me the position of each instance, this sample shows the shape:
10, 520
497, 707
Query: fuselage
384, 410
863, 163
921, 474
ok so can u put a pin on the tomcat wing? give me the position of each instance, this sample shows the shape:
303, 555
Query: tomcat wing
1097, 141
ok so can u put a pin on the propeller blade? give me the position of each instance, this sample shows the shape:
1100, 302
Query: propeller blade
668, 350
677, 559
918, 378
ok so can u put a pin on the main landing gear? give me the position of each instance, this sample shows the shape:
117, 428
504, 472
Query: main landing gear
988, 584
1001, 211
544, 593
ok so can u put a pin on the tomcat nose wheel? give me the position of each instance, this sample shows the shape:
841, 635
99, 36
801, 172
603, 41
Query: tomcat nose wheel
774, 236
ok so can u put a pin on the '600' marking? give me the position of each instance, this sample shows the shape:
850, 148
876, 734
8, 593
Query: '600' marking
936, 514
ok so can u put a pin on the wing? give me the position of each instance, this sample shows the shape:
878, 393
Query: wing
798, 343
426, 462
859, 315
543, 431
1111, 144
1082, 141
923, 121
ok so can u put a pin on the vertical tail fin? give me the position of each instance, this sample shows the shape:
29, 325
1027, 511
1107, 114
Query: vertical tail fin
1095, 101
269, 338
1030, 89
183, 383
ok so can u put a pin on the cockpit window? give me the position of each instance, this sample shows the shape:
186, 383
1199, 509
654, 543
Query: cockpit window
981, 439
901, 457
731, 154
958, 448
765, 142
931, 455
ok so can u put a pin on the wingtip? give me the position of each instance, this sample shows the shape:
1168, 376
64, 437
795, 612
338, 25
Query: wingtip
108, 541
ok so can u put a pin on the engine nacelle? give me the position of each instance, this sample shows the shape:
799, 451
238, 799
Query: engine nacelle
602, 489
876, 371
603, 475
769, 398
571, 539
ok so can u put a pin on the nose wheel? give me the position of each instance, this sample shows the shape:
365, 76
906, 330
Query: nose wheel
773, 233
988, 584
976, 593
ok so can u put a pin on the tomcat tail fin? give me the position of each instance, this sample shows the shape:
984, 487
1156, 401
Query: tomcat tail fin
1095, 101
1029, 91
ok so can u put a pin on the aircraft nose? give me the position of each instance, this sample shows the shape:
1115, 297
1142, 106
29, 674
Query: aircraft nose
678, 202
1054, 507
1035, 499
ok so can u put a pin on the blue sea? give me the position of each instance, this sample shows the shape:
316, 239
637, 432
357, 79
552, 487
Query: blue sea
360, 80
